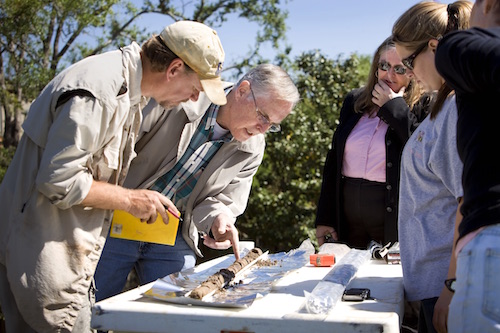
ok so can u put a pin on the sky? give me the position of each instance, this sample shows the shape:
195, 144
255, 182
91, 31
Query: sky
335, 27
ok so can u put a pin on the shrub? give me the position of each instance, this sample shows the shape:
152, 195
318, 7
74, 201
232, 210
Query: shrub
6, 155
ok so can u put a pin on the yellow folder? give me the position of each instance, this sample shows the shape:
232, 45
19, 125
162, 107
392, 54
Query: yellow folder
127, 226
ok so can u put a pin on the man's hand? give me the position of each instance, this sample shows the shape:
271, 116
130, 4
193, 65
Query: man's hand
324, 230
146, 204
225, 235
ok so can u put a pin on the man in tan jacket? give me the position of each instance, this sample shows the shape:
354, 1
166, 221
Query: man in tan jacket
203, 157
58, 194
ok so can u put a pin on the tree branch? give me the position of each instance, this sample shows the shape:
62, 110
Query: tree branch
116, 33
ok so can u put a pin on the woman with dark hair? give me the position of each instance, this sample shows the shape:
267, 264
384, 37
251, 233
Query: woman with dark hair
359, 194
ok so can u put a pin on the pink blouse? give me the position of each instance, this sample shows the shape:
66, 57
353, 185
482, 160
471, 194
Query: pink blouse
364, 154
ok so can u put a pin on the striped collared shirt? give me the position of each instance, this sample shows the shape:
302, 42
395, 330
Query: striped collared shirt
178, 183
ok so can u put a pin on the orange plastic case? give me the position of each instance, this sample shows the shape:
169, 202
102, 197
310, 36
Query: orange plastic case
322, 259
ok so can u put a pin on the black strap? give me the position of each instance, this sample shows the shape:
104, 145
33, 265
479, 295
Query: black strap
66, 96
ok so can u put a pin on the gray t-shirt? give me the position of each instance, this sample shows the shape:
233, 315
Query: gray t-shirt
430, 185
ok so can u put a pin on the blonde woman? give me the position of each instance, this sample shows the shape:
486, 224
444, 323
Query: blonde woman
431, 170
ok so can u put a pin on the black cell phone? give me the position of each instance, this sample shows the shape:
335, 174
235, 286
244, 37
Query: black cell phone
356, 294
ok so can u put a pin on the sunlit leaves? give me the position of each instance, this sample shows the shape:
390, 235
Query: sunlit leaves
40, 38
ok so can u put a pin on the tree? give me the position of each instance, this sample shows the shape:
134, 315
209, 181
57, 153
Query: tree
39, 38
34, 37
282, 206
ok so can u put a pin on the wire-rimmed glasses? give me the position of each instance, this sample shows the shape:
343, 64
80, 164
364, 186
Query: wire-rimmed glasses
264, 119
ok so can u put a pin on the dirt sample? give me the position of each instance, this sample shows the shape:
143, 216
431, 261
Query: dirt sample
224, 275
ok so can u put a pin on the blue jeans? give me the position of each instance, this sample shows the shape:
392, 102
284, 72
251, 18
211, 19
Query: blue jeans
151, 262
475, 306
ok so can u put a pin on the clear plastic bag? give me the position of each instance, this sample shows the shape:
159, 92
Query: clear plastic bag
329, 291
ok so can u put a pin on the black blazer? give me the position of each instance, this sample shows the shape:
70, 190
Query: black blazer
402, 123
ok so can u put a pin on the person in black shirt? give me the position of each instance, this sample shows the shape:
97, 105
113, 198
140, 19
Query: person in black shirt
470, 63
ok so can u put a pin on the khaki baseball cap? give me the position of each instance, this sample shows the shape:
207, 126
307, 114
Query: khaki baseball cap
200, 48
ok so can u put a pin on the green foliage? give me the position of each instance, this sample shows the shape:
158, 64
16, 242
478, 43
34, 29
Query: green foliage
34, 37
33, 46
282, 205
40, 38
365, 62
6, 155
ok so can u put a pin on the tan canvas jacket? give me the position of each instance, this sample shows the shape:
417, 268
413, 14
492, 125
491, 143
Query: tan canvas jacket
49, 244
224, 185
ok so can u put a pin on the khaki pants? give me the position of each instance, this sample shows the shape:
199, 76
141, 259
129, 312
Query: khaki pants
14, 322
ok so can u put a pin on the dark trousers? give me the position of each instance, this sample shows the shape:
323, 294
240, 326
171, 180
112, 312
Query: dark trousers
364, 211
425, 315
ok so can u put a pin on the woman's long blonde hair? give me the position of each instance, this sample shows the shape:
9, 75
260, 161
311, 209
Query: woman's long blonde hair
431, 20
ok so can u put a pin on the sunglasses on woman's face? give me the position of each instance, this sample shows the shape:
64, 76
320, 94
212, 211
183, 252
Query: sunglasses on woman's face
408, 61
385, 66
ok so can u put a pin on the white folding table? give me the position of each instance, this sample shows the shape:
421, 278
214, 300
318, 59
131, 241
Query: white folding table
278, 311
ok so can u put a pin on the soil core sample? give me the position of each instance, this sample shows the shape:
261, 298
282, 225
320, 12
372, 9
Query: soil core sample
224, 275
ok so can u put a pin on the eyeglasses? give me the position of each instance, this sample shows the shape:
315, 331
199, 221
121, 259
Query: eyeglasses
450, 284
385, 66
408, 61
264, 119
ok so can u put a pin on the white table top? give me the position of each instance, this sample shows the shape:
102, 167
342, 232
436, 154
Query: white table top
275, 312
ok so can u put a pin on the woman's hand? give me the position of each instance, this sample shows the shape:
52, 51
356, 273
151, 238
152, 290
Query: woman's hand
382, 93
440, 317
324, 230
